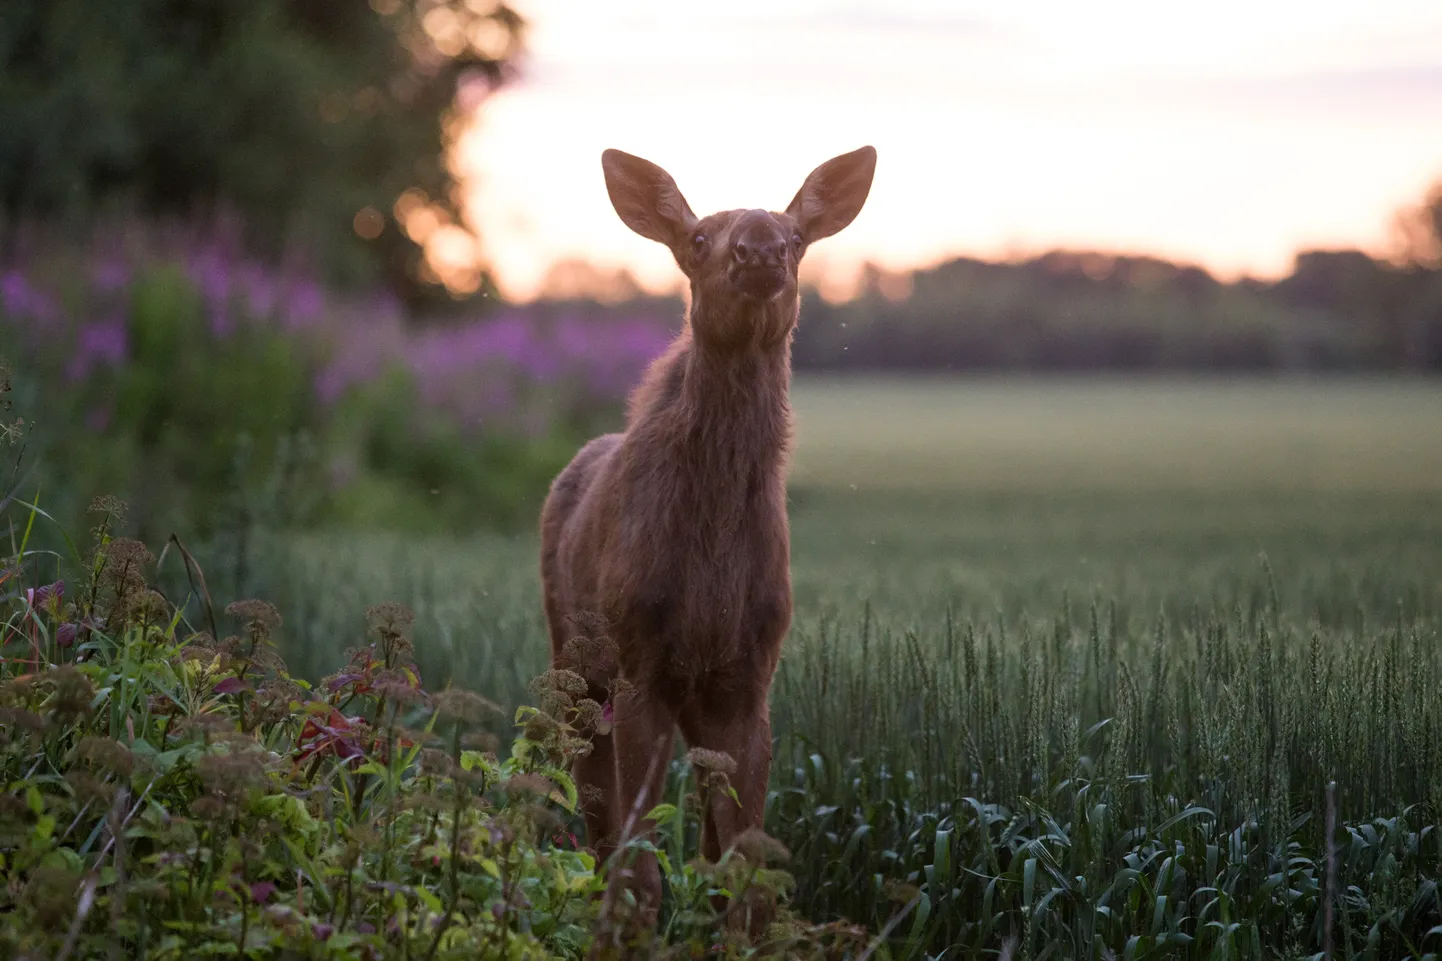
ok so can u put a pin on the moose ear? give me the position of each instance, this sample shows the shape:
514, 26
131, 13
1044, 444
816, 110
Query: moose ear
646, 198
833, 194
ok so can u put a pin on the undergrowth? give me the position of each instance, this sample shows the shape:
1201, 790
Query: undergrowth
171, 790
1256, 776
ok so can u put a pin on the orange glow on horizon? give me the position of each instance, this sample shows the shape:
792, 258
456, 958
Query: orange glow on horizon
1229, 137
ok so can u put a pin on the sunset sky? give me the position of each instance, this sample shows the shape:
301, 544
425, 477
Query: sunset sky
1227, 133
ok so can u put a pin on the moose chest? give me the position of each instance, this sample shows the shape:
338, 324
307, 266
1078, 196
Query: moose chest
714, 595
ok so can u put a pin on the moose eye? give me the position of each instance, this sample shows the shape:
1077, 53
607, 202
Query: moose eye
796, 242
698, 243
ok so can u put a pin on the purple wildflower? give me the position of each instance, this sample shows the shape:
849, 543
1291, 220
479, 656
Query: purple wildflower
15, 293
40, 596
21, 299
304, 305
109, 275
106, 340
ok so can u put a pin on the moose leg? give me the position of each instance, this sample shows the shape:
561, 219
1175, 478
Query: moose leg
643, 732
743, 732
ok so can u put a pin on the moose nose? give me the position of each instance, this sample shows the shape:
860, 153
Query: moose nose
770, 253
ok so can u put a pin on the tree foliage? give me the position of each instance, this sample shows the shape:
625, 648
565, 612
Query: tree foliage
304, 119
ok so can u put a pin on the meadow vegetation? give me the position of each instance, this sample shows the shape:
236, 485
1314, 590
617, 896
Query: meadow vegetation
1102, 710
171, 790
1090, 665
217, 394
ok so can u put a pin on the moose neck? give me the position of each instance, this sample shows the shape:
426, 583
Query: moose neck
735, 390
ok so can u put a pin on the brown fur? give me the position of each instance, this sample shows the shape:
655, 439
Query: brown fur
674, 533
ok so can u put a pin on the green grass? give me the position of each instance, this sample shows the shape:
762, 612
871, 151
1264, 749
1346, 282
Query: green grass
1074, 660
1059, 436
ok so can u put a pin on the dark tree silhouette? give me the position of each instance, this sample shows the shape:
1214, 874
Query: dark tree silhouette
306, 119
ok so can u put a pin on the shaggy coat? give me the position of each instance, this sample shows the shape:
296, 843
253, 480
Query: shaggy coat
672, 537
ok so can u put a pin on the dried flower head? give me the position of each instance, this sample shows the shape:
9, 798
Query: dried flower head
457, 705
411, 735
125, 563
260, 617
757, 846
18, 721
110, 507
104, 754
395, 686
207, 725
200, 641
541, 817
145, 607
540, 726
234, 773
527, 784
558, 681
589, 717
89, 789
208, 807
160, 705
436, 763
72, 693
24, 689
707, 760
558, 689
272, 703
593, 657
51, 894
483, 741
390, 619
421, 801
587, 623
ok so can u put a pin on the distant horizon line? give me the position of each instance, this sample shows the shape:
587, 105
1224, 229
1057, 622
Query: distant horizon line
579, 278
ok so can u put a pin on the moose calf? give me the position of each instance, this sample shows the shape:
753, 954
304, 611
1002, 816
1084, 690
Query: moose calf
674, 533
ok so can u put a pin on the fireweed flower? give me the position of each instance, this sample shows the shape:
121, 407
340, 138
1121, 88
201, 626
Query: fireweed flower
109, 274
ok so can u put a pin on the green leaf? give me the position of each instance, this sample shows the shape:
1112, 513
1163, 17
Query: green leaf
661, 812
569, 797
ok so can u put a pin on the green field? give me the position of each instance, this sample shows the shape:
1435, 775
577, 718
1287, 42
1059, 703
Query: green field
1075, 660
1213, 436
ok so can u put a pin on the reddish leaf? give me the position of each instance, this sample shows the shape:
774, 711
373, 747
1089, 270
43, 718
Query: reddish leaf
232, 685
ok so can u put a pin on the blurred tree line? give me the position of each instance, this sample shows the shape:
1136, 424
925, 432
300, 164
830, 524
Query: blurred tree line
1336, 310
302, 120
1078, 310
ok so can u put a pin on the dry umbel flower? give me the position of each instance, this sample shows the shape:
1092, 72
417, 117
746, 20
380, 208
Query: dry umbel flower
455, 704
